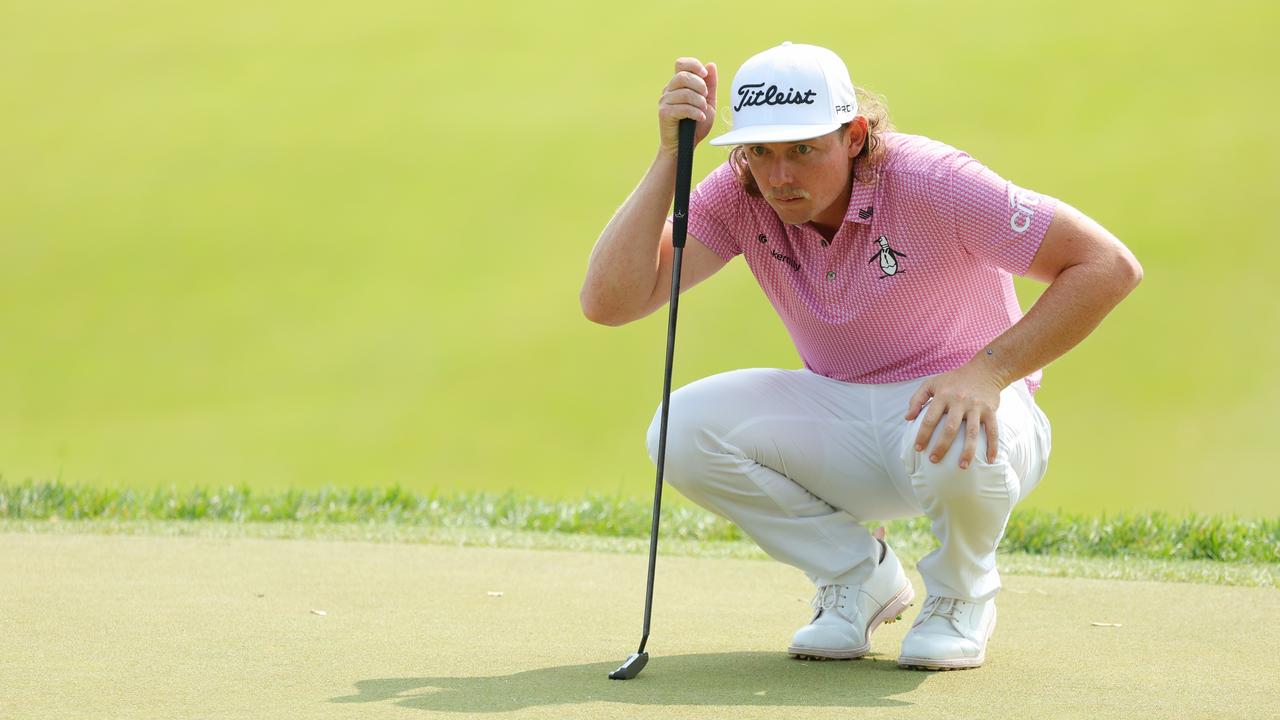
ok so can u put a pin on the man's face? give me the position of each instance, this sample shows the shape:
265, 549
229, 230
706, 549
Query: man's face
807, 180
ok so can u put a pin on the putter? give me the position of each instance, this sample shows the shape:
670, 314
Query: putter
679, 227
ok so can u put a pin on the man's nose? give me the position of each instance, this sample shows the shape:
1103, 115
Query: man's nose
780, 173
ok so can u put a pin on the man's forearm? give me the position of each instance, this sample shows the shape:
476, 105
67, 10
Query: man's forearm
622, 271
1069, 309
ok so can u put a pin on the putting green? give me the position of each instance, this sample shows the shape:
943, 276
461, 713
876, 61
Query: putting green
139, 627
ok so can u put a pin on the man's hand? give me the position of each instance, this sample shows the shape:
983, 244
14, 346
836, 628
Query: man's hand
690, 94
965, 394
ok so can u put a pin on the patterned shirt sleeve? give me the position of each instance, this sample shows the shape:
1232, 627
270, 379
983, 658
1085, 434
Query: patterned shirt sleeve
995, 220
712, 208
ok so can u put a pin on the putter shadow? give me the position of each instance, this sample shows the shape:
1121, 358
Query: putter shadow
746, 678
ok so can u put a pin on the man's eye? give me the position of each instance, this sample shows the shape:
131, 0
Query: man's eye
804, 149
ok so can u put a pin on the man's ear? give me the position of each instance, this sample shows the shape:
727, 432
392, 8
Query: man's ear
857, 135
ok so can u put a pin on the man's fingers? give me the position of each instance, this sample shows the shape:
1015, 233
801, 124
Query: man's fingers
683, 103
693, 65
917, 401
972, 425
686, 79
713, 79
681, 112
930, 421
992, 427
685, 96
950, 429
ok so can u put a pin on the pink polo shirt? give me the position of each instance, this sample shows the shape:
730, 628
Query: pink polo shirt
917, 280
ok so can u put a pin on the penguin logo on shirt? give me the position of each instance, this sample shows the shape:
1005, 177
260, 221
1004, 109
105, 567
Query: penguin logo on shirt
888, 258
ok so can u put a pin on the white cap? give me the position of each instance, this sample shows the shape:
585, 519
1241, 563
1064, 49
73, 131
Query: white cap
788, 93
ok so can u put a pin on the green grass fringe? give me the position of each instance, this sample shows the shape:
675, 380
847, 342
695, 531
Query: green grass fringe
1157, 536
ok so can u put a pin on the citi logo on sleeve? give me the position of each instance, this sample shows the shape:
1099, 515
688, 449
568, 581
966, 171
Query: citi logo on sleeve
750, 95
1022, 204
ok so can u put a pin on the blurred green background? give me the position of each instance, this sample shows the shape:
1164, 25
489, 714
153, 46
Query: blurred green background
295, 244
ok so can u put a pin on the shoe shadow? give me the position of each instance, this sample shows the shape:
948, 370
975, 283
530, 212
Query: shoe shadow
746, 678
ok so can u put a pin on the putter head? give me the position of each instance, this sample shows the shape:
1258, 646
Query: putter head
631, 667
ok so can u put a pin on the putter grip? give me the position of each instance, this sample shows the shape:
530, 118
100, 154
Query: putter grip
684, 175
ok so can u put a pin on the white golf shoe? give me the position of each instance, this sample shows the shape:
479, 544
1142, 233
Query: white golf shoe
845, 615
949, 634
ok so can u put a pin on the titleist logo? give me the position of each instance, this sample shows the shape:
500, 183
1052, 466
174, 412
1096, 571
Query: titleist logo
750, 95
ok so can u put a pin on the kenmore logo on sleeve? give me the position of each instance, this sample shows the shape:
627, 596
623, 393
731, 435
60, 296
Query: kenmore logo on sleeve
750, 95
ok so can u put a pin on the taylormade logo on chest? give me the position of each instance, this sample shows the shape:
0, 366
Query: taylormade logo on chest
751, 95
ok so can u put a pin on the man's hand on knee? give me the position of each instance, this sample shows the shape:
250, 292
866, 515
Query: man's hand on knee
959, 396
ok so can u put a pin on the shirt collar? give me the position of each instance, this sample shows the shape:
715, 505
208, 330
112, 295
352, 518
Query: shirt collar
862, 203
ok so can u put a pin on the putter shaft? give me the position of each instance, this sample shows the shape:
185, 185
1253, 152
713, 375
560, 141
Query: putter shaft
679, 230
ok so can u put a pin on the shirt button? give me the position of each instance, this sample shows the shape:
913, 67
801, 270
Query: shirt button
831, 274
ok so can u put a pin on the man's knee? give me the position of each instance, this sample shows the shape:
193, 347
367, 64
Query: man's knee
946, 483
705, 424
682, 455
651, 437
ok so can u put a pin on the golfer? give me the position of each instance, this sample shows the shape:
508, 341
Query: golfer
889, 257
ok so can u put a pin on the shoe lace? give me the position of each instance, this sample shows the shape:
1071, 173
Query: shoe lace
827, 597
942, 607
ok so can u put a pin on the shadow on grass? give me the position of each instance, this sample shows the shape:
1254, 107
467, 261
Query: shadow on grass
746, 678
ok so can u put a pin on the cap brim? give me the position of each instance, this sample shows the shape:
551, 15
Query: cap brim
774, 133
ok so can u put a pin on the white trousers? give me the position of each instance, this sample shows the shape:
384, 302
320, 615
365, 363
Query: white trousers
800, 461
